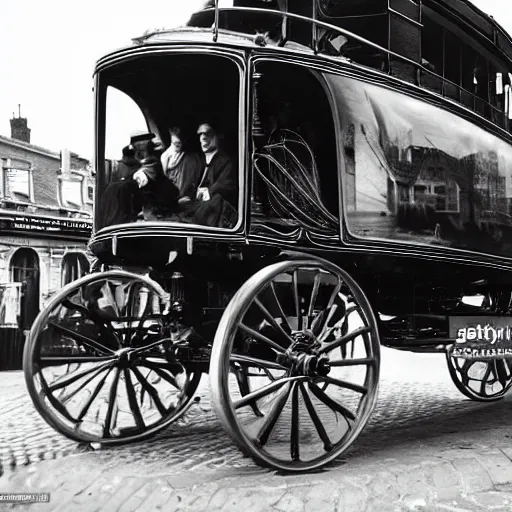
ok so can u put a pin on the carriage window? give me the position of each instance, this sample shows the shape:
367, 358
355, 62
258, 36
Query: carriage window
171, 142
295, 178
422, 174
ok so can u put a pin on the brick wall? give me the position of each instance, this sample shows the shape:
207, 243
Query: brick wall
46, 170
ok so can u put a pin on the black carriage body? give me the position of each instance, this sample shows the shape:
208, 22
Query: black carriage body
320, 195
407, 190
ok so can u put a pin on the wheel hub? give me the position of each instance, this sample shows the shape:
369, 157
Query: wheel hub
124, 356
302, 356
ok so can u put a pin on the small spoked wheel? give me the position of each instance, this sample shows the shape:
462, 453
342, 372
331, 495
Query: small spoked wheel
295, 365
96, 361
481, 380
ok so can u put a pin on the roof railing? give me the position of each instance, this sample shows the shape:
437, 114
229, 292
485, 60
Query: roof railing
389, 54
315, 47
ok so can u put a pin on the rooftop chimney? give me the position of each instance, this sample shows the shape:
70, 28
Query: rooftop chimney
19, 127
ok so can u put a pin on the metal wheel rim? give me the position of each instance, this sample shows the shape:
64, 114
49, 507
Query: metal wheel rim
49, 414
223, 345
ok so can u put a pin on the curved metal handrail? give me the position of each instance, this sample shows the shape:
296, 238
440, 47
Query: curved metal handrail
351, 36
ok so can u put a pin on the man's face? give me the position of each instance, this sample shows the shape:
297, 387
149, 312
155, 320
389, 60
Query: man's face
207, 138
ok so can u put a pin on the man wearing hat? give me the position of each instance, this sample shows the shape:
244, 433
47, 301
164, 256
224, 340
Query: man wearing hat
127, 166
143, 186
217, 193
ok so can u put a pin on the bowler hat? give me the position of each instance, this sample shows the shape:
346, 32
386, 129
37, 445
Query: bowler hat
141, 136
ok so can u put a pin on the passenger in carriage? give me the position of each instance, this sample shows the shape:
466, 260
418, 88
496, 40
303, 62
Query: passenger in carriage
159, 195
146, 190
217, 193
127, 166
182, 168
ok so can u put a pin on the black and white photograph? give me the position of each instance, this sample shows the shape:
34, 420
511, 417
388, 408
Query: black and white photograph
256, 255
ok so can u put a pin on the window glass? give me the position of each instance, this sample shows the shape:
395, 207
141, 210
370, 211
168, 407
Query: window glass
171, 145
72, 192
17, 180
295, 164
455, 188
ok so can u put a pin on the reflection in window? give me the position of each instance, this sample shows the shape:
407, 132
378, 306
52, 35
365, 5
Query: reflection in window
455, 189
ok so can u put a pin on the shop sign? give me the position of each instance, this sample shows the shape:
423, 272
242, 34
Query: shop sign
46, 225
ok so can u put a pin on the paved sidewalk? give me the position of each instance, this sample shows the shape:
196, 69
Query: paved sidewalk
425, 448
445, 474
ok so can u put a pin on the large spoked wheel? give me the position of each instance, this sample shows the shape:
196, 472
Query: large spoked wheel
295, 365
478, 379
96, 363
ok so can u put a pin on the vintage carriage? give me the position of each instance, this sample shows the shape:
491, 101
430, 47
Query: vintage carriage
374, 207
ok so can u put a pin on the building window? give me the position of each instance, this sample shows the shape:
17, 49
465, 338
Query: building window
442, 196
71, 192
90, 193
17, 180
74, 266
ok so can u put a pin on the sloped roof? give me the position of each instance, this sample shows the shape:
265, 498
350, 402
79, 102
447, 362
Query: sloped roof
29, 147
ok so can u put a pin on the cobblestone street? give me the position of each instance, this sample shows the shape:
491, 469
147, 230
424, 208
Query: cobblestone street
426, 447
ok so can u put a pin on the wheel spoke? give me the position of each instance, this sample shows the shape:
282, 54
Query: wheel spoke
294, 434
327, 400
243, 386
322, 319
150, 345
132, 400
296, 299
272, 417
344, 384
161, 373
353, 362
151, 391
59, 407
265, 390
112, 404
249, 360
81, 339
82, 386
315, 419
280, 308
342, 340
69, 304
272, 321
262, 338
501, 371
107, 290
484, 380
464, 371
94, 394
60, 360
66, 380
314, 294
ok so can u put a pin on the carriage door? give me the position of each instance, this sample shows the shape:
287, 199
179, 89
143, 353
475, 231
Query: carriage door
295, 178
24, 268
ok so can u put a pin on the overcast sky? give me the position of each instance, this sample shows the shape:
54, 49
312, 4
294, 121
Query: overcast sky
49, 47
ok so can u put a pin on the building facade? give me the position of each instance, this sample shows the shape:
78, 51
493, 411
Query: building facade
46, 203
